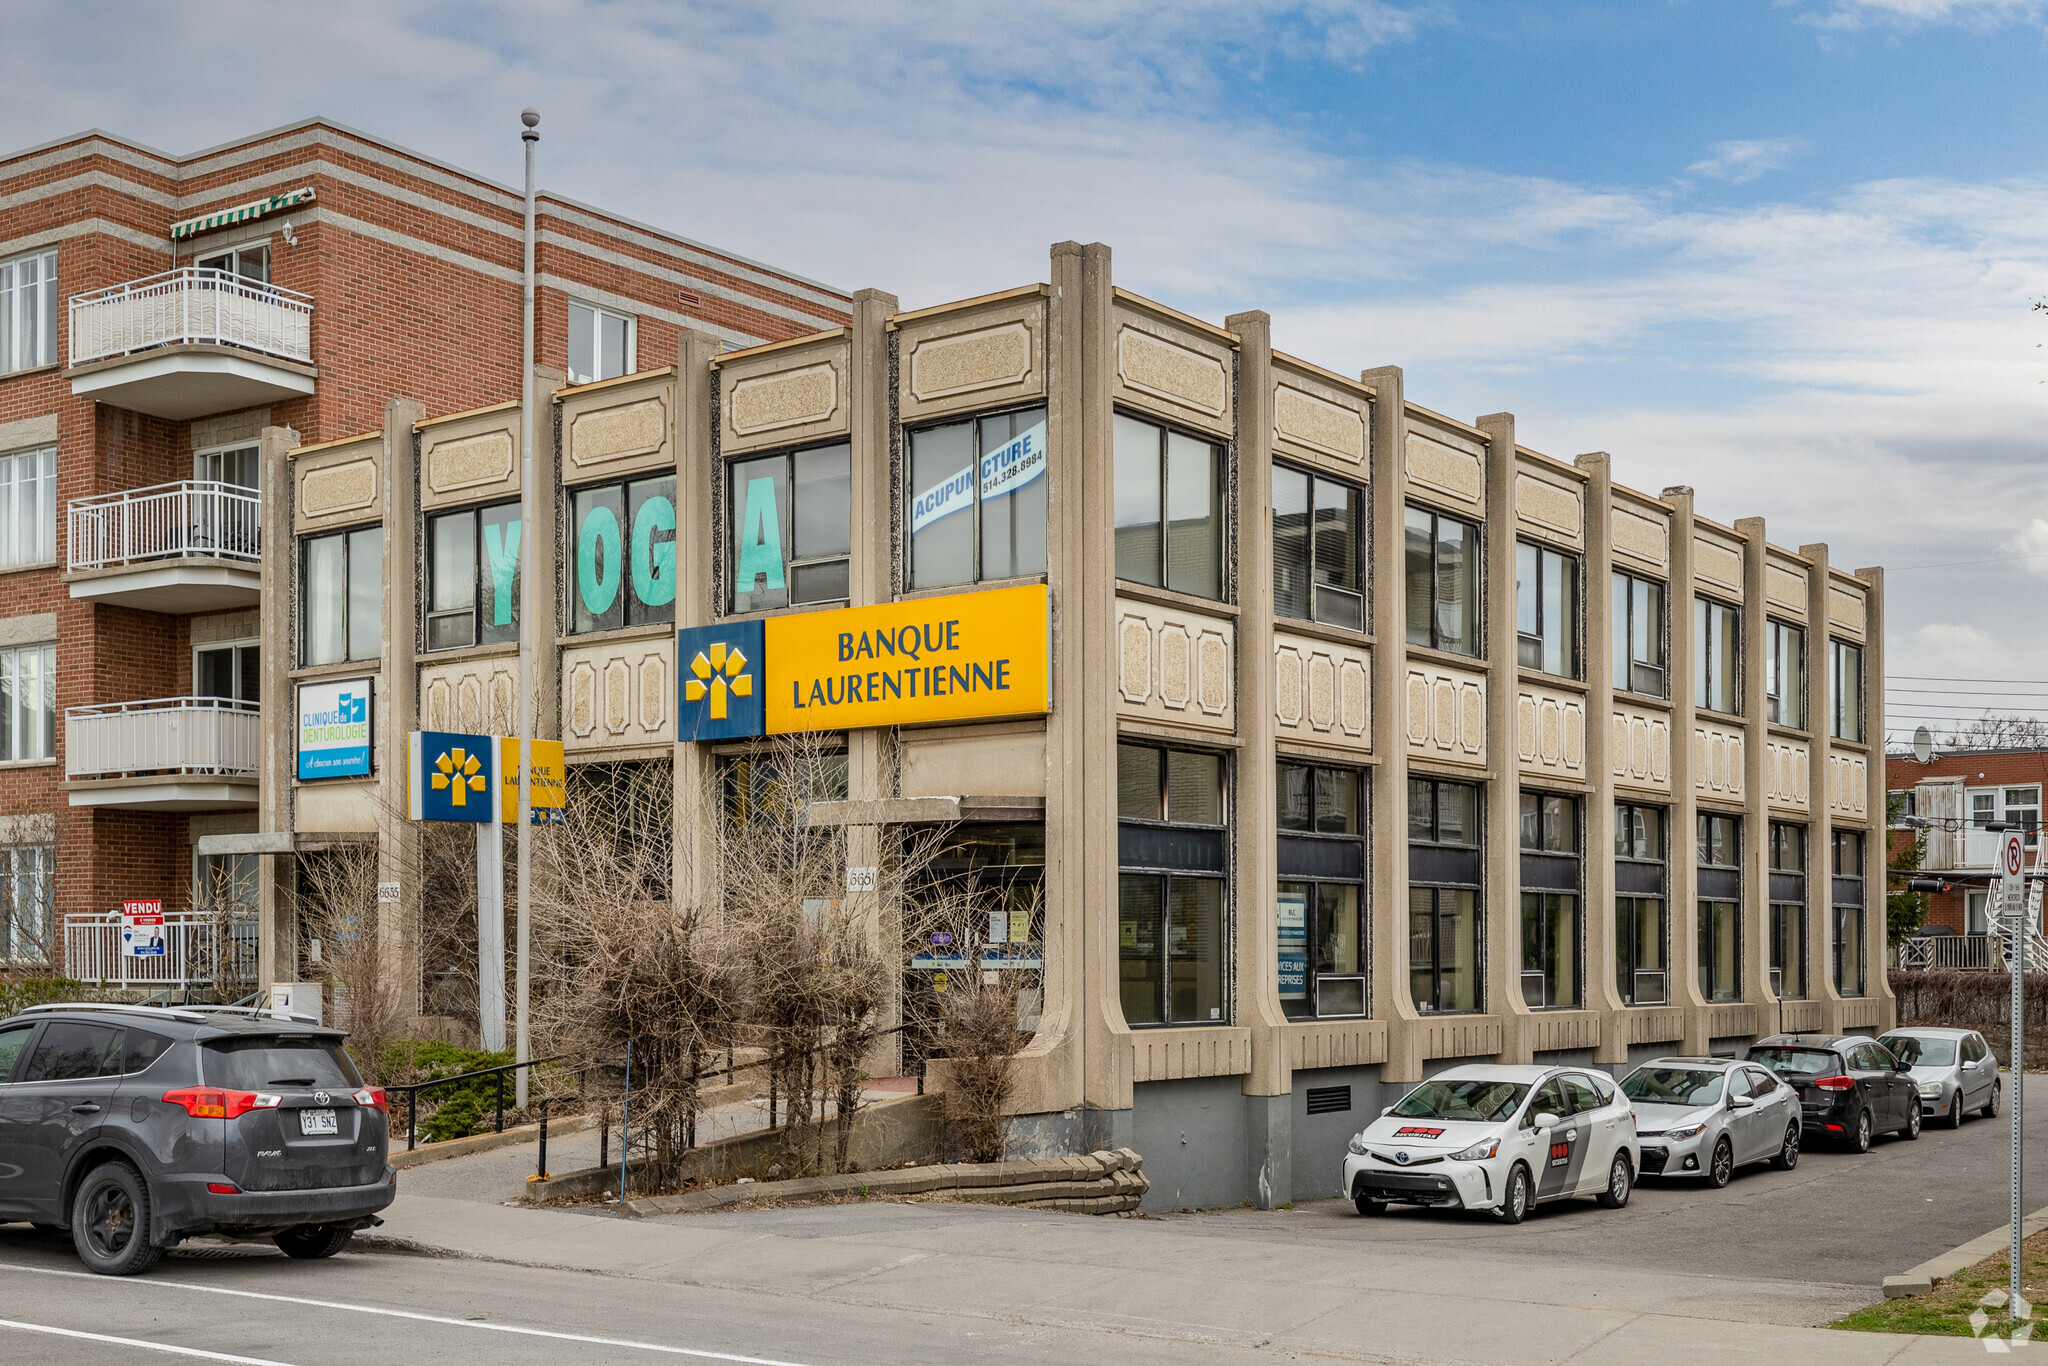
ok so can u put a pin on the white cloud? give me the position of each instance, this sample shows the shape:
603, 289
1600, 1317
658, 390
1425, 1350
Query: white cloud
1740, 162
1914, 14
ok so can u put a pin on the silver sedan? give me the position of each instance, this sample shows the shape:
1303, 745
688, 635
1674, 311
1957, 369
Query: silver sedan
1704, 1117
1954, 1069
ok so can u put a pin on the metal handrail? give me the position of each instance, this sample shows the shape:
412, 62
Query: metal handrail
204, 518
118, 737
413, 1089
191, 305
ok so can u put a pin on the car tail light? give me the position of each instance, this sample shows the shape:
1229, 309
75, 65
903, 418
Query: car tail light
372, 1098
208, 1102
1836, 1083
223, 1188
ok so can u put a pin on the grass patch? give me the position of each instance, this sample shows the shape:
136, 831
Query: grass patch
1946, 1311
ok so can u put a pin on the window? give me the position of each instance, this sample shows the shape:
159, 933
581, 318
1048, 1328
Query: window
1550, 900
1640, 926
28, 507
624, 549
1976, 912
1720, 907
1638, 638
28, 918
995, 464
1848, 853
791, 520
1321, 854
1172, 937
1442, 568
2023, 808
473, 577
1845, 690
28, 702
241, 466
28, 311
251, 262
341, 596
1169, 508
600, 344
1443, 896
1788, 910
1547, 610
1990, 806
1318, 548
1849, 950
1716, 656
232, 671
1784, 674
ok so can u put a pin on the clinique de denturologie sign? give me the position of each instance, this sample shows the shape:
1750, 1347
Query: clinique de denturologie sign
969, 656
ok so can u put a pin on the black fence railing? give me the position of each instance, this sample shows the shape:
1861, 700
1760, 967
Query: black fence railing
412, 1093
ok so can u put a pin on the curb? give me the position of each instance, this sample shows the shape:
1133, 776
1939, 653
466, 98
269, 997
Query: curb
1101, 1183
1923, 1278
483, 1143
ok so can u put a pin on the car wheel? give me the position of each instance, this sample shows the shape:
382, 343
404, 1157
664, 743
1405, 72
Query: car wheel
1859, 1137
1514, 1201
1620, 1181
309, 1242
110, 1221
1912, 1129
1955, 1112
1990, 1110
1369, 1207
1722, 1165
1788, 1152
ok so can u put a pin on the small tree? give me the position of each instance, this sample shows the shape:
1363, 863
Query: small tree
1904, 911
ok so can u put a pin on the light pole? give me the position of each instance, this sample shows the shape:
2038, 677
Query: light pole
522, 818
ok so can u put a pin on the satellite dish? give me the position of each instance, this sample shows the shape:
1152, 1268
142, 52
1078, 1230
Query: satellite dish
1923, 744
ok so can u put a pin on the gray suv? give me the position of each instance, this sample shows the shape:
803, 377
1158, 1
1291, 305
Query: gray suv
136, 1128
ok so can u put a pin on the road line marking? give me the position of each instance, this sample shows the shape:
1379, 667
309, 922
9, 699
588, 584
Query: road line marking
139, 1342
148, 1284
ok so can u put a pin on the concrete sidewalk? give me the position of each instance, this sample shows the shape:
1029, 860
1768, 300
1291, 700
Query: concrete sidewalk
1176, 1280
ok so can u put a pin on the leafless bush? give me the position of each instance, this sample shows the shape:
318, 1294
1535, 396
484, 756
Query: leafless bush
337, 908
1976, 1000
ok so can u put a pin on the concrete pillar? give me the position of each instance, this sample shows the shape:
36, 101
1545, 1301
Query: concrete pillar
1876, 938
1501, 907
1603, 996
398, 937
1683, 870
1820, 910
697, 486
278, 653
1756, 807
1387, 909
1270, 1083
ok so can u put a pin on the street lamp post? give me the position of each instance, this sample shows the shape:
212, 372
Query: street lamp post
522, 818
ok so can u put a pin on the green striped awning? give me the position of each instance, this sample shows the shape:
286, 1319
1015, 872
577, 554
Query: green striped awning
241, 213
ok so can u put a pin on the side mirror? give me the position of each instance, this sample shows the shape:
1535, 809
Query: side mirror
1901, 1065
1387, 1111
1742, 1102
1546, 1120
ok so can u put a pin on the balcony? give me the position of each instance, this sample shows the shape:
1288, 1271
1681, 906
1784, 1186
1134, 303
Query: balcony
165, 754
190, 342
185, 547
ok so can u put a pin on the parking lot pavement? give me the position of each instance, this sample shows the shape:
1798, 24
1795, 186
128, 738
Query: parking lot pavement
1838, 1218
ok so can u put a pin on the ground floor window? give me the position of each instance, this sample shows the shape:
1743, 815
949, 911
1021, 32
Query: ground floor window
1639, 938
28, 916
1720, 930
1550, 949
1000, 868
1322, 963
1849, 950
1788, 950
1443, 948
1170, 944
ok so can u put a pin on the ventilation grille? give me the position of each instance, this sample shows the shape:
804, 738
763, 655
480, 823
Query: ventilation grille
1328, 1100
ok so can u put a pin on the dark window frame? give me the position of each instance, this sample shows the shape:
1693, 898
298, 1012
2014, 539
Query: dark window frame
1530, 646
909, 493
1434, 839
1705, 659
1780, 701
1626, 665
1310, 1007
1167, 870
1476, 606
347, 536
1712, 989
479, 560
791, 519
632, 609
1221, 455
1551, 848
1838, 650
1311, 539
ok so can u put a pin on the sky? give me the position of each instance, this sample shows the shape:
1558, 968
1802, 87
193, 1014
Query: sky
1784, 251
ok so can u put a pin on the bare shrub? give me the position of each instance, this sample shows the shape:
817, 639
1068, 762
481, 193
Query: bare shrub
369, 993
1976, 1000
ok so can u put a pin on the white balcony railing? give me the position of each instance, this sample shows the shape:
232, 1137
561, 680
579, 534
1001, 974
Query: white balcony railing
203, 735
1978, 951
166, 521
191, 305
198, 950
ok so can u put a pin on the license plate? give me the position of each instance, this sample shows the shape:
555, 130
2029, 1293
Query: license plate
317, 1122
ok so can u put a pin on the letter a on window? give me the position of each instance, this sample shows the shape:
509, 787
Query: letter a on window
760, 549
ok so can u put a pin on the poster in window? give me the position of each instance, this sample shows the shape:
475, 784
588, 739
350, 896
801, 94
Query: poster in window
1293, 922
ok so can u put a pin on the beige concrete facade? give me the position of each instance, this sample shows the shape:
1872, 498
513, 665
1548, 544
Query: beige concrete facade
1221, 1108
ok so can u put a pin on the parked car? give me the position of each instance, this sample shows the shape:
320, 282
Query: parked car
1704, 1117
1497, 1138
1850, 1088
1954, 1070
136, 1128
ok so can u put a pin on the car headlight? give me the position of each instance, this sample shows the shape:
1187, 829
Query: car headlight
1930, 1088
1689, 1131
1358, 1145
1478, 1152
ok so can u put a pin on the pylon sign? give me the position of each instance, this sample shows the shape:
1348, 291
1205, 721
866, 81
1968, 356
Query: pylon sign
452, 777
722, 692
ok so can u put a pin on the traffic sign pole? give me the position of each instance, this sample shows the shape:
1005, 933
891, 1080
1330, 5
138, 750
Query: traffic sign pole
2012, 895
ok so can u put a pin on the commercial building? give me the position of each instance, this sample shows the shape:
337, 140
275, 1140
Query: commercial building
1334, 739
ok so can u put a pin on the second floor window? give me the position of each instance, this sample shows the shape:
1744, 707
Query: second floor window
1716, 656
1845, 690
28, 311
28, 507
600, 344
1547, 610
1169, 508
624, 553
791, 520
1318, 548
341, 596
28, 702
976, 500
473, 577
1784, 674
1639, 635
1442, 582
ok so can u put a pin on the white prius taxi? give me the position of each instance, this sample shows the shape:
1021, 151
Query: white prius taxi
1498, 1138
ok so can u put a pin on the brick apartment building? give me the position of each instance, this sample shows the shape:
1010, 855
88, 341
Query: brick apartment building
157, 313
1978, 787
